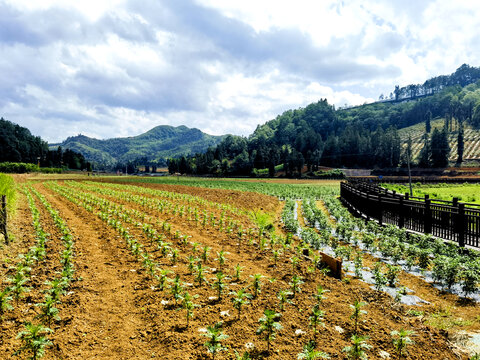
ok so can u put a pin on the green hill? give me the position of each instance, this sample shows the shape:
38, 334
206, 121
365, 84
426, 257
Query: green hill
155, 146
366, 136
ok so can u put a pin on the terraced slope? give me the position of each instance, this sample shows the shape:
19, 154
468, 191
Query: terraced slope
471, 139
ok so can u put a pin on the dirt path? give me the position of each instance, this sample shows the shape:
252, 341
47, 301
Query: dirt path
101, 317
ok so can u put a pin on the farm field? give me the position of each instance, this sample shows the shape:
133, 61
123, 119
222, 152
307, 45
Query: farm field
468, 193
142, 268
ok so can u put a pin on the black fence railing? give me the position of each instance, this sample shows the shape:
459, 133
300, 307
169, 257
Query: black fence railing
449, 220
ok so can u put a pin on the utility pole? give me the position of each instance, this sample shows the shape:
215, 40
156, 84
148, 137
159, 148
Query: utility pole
409, 146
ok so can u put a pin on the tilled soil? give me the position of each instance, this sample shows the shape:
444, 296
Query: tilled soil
114, 309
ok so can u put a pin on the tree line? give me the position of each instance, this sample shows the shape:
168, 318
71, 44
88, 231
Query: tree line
18, 145
361, 137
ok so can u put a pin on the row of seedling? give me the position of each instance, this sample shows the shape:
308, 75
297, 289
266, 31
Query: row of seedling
445, 261
34, 335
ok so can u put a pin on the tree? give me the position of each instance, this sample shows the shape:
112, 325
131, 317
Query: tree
428, 119
460, 145
397, 92
425, 153
440, 148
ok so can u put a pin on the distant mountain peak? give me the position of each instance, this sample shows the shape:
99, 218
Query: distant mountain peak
156, 145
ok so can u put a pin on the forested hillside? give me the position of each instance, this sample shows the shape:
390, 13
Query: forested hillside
18, 145
363, 136
150, 148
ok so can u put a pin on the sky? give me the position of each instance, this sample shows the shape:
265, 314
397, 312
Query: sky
116, 68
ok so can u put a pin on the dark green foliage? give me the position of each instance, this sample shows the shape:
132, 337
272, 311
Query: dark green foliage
17, 144
21, 152
439, 148
361, 136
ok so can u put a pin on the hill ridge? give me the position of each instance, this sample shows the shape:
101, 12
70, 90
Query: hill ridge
153, 146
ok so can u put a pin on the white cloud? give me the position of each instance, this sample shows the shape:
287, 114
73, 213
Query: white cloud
121, 67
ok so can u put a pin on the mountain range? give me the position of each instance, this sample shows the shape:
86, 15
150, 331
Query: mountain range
154, 146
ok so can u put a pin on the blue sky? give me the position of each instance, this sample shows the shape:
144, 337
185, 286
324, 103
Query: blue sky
118, 68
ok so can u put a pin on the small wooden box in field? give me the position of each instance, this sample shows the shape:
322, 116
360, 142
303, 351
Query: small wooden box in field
334, 264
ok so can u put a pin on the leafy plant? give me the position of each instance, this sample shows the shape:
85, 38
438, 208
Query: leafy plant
379, 277
358, 263
18, 288
34, 340
316, 319
446, 270
424, 258
5, 300
401, 340
200, 277
269, 324
162, 278
204, 255
244, 356
295, 284
221, 258
215, 337
309, 352
188, 305
240, 298
294, 260
176, 288
284, 297
357, 313
48, 310
356, 351
470, 277
256, 284
191, 263
219, 284
320, 295
392, 274
238, 271
275, 256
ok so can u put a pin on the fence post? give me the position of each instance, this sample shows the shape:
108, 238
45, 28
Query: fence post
367, 208
380, 209
3, 217
461, 225
427, 221
401, 214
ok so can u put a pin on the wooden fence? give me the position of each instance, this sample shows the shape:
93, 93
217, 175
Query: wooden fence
3, 217
449, 220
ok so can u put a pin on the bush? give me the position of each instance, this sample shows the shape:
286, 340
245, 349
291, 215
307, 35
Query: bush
22, 168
